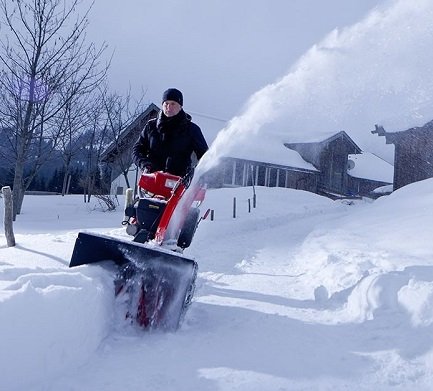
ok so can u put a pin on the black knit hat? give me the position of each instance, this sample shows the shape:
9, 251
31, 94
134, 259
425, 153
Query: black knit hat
172, 94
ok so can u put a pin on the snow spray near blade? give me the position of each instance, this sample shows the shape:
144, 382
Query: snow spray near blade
379, 70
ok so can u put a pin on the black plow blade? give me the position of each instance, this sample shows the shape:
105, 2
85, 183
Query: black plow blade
158, 284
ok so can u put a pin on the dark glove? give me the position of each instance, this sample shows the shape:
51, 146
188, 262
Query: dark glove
145, 166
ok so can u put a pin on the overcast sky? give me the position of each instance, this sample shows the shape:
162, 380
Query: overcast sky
218, 52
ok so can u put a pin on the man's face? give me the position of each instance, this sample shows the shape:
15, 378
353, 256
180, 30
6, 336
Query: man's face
171, 108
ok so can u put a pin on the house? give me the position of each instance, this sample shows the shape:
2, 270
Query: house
413, 156
321, 167
272, 166
118, 155
330, 157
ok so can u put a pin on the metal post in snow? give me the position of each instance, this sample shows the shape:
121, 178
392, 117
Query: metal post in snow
254, 188
234, 207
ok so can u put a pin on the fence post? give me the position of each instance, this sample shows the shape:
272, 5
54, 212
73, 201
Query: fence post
8, 216
234, 207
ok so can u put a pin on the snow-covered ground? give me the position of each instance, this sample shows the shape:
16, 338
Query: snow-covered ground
303, 293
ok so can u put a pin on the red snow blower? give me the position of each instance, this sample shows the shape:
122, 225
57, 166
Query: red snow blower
154, 279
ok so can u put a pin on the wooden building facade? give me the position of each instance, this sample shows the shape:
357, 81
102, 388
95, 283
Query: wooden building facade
413, 155
330, 157
364, 186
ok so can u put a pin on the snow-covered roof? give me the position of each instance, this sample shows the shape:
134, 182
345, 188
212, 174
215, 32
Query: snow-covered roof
369, 166
273, 153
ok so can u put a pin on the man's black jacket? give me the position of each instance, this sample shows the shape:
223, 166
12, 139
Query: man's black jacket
166, 144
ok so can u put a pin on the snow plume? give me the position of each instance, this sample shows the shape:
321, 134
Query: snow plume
378, 71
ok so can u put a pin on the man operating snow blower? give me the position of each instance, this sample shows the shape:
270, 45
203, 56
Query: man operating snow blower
167, 142
165, 146
155, 282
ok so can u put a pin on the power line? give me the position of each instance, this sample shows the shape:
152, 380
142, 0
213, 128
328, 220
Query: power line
207, 116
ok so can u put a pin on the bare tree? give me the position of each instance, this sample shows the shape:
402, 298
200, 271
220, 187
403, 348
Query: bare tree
75, 121
44, 64
95, 146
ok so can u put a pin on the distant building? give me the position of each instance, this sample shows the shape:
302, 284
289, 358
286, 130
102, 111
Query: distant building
119, 153
323, 167
413, 156
330, 157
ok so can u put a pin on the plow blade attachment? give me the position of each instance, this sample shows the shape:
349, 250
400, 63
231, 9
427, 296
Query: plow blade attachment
158, 284
91, 248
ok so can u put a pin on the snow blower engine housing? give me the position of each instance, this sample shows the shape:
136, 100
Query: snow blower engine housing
149, 215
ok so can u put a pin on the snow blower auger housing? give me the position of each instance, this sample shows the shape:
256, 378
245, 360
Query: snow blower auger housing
154, 279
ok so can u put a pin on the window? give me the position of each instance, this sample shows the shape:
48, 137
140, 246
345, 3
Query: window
239, 173
228, 173
261, 176
273, 175
281, 178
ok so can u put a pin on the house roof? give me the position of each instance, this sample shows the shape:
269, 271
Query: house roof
369, 166
125, 136
275, 153
342, 134
394, 137
286, 154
